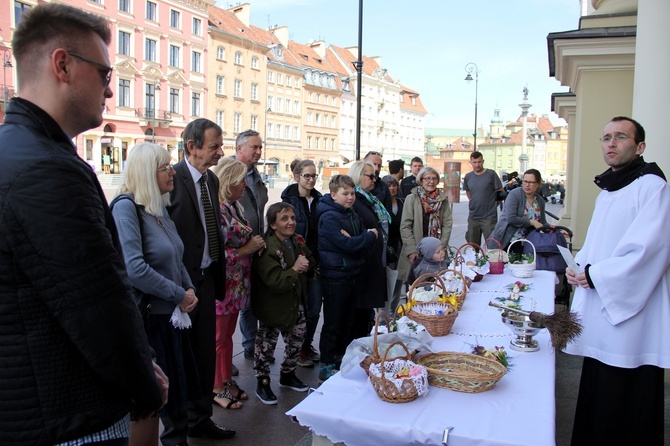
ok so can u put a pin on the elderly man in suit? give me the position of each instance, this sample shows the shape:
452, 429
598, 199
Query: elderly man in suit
195, 211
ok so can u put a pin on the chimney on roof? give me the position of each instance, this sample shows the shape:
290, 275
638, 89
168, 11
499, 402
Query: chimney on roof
281, 33
320, 47
353, 50
243, 13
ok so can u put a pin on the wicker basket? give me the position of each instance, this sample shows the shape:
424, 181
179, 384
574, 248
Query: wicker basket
460, 259
437, 325
386, 389
375, 358
522, 270
497, 265
460, 297
463, 372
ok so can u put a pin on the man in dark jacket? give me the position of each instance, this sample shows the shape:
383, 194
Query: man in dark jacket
74, 356
380, 190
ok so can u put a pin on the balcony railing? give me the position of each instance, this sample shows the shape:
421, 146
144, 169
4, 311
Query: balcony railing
153, 114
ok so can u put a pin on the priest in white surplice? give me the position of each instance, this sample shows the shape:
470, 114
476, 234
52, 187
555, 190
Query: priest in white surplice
623, 296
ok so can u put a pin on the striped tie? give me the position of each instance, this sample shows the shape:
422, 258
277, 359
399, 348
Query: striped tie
210, 220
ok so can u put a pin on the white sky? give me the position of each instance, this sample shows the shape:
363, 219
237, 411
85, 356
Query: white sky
425, 44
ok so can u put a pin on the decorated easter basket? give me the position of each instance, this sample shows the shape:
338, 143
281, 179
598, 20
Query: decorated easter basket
522, 269
496, 257
399, 379
474, 251
455, 284
438, 317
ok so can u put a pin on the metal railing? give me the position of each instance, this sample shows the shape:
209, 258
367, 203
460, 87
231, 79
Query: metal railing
152, 113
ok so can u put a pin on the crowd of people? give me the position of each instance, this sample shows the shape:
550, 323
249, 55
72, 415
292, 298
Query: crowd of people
116, 316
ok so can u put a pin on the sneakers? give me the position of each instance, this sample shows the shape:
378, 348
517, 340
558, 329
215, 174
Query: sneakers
264, 391
291, 381
311, 353
308, 357
304, 361
326, 372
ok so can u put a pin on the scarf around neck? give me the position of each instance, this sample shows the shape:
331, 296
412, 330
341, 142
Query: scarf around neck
612, 181
380, 210
431, 204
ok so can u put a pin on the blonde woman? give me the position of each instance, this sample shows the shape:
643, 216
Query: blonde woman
153, 250
239, 247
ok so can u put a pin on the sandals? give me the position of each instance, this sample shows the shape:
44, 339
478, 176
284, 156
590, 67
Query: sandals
225, 399
237, 393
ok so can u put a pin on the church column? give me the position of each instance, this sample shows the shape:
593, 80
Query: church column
652, 71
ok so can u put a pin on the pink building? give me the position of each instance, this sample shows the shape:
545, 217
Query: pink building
159, 54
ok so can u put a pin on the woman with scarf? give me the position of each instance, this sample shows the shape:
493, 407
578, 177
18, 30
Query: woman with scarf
426, 213
375, 216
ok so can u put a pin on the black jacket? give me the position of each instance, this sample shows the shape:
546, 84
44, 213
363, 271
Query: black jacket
73, 353
373, 282
306, 220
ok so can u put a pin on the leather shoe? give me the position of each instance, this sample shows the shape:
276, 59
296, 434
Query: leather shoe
209, 429
291, 381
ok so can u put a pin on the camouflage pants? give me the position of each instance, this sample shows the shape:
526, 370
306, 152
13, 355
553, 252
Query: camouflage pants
266, 341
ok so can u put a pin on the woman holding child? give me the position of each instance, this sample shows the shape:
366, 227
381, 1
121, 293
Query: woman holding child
426, 213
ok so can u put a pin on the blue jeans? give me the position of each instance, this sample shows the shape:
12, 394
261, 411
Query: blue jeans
339, 297
249, 328
313, 309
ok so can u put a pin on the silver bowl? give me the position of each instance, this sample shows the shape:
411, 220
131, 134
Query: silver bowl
524, 329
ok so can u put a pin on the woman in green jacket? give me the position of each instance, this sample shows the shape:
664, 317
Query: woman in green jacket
279, 278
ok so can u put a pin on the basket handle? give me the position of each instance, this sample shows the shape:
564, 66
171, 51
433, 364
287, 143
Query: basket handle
381, 313
408, 356
464, 247
524, 241
421, 280
457, 273
500, 248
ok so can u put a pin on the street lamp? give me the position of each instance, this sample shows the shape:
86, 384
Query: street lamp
265, 146
7, 63
470, 68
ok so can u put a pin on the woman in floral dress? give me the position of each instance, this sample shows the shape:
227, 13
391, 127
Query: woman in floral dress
239, 246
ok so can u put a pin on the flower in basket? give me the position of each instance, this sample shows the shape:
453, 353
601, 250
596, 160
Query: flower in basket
516, 258
499, 354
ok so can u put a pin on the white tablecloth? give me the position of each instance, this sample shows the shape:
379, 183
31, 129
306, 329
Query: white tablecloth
519, 410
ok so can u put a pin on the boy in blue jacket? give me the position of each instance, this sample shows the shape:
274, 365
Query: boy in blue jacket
342, 240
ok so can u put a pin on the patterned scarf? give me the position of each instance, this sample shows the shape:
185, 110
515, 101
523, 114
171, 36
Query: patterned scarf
382, 214
431, 203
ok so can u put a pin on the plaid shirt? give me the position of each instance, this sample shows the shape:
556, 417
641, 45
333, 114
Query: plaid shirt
120, 429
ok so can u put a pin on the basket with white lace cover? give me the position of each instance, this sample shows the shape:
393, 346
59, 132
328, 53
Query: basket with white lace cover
399, 379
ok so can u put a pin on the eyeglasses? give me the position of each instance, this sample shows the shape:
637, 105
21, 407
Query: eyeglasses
104, 71
529, 182
166, 169
310, 176
618, 138
372, 176
429, 179
374, 153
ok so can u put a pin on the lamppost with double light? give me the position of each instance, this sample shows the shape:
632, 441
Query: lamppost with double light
472, 68
7, 63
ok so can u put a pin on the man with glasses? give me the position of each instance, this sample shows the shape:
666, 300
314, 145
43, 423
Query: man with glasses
481, 187
622, 286
380, 189
249, 149
74, 356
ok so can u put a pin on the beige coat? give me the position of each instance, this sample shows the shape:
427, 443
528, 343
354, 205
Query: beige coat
411, 228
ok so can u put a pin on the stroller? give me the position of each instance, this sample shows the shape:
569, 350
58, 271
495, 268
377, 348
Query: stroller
549, 258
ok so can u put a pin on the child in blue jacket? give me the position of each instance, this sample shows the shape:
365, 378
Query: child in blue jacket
342, 240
